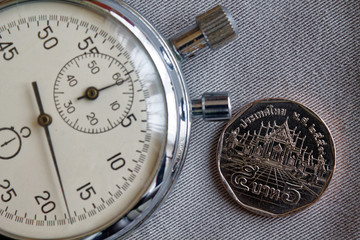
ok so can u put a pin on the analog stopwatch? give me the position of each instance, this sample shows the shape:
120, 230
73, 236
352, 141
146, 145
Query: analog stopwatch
94, 115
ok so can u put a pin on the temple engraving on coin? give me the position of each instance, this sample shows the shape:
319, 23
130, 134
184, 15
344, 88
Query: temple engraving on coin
276, 157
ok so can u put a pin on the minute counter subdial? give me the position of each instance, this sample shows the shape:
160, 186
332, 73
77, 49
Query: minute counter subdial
94, 92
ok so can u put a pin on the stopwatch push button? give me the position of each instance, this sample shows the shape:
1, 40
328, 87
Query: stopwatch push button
212, 106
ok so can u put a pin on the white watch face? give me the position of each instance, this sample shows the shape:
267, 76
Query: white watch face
100, 136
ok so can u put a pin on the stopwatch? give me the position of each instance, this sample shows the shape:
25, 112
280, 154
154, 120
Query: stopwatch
95, 115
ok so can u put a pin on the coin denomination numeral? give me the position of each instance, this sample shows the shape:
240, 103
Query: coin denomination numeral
249, 171
290, 194
239, 179
239, 182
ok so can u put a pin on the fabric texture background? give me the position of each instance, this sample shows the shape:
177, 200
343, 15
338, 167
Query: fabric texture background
307, 51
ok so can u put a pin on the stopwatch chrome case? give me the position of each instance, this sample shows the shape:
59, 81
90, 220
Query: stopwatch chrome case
170, 91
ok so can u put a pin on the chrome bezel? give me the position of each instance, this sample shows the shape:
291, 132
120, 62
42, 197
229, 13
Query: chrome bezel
178, 112
179, 119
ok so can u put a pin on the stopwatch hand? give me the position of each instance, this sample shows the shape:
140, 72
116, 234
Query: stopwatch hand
92, 93
7, 142
45, 120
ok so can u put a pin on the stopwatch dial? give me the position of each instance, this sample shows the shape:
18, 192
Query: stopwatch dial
94, 92
83, 123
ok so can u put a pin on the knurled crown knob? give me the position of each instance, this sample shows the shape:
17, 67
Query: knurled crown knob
214, 28
217, 26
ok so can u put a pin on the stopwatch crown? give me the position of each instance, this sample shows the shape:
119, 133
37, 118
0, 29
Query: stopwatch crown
217, 26
213, 29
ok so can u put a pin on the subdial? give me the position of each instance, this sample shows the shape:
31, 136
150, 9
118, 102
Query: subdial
10, 143
94, 92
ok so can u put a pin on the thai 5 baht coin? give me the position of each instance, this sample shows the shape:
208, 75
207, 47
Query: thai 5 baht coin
276, 157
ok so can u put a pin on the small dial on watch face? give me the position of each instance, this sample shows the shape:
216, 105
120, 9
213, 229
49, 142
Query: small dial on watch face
10, 143
94, 92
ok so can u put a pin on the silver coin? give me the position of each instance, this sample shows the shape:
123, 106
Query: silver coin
276, 157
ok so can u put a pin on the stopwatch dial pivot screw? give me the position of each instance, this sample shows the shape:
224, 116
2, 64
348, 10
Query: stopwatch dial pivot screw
92, 93
44, 120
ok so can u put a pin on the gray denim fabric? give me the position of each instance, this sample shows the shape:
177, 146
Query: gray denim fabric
307, 51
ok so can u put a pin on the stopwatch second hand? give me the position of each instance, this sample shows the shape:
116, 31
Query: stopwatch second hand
92, 93
45, 120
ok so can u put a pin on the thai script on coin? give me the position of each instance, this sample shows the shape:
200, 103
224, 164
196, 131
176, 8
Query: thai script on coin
276, 157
